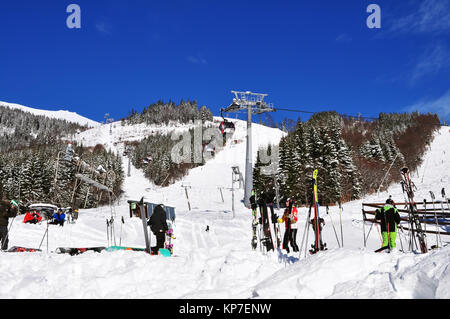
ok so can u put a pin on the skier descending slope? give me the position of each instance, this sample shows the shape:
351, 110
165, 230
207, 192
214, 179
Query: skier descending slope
317, 222
407, 186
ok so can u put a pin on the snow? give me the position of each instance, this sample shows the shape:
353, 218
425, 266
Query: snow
220, 263
61, 114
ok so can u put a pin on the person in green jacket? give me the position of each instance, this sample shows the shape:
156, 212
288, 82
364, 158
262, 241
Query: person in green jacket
7, 211
389, 219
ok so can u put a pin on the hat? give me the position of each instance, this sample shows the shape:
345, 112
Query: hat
389, 201
14, 203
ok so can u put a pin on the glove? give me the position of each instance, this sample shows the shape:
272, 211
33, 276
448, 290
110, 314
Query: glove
280, 220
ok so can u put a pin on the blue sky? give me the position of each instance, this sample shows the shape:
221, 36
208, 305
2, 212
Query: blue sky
308, 55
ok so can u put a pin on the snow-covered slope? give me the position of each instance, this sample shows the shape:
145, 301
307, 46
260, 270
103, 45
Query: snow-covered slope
220, 263
62, 115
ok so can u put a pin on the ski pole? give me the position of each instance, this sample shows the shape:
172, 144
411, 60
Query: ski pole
401, 242
332, 224
437, 220
304, 233
42, 240
340, 220
444, 197
123, 222
438, 233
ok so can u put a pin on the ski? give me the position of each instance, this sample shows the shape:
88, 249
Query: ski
317, 221
382, 249
254, 208
267, 240
408, 193
275, 224
78, 251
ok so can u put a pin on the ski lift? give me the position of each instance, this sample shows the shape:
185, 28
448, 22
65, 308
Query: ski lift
69, 153
209, 148
226, 127
147, 160
100, 170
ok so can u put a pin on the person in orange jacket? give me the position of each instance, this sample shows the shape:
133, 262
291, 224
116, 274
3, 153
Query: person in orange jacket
32, 217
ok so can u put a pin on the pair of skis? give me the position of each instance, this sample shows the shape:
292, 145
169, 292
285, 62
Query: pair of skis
317, 221
265, 234
413, 215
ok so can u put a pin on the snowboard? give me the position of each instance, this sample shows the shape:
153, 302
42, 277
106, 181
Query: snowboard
164, 252
169, 236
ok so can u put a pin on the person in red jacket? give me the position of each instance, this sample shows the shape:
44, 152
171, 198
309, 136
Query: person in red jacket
32, 217
290, 219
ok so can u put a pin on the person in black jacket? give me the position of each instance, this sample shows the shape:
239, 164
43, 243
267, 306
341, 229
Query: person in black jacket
158, 226
7, 210
389, 219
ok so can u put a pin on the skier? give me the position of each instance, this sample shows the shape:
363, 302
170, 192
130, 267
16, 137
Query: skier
159, 227
32, 217
290, 218
389, 219
58, 218
7, 210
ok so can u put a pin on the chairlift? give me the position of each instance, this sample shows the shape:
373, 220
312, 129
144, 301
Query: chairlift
226, 127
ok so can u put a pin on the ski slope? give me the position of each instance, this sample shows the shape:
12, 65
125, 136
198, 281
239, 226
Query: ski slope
61, 114
220, 263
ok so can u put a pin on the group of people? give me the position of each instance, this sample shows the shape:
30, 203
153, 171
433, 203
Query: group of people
387, 216
33, 217
10, 209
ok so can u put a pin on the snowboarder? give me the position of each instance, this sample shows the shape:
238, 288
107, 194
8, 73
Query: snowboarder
58, 218
7, 210
32, 217
389, 219
290, 218
158, 226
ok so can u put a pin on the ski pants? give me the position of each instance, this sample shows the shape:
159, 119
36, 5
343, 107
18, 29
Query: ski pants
290, 237
160, 240
4, 237
286, 239
293, 239
389, 238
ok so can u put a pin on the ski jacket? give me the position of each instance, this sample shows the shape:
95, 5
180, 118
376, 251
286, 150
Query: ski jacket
388, 217
32, 216
293, 218
6, 212
59, 217
158, 221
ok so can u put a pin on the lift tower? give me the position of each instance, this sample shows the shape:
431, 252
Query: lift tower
253, 103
